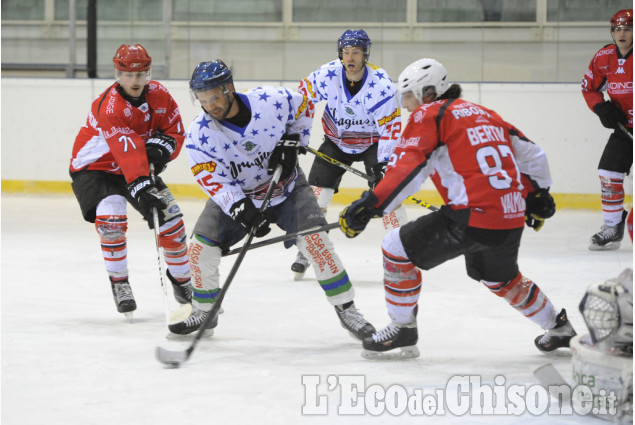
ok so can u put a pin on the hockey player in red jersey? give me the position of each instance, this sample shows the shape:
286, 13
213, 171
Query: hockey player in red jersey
133, 124
611, 70
484, 168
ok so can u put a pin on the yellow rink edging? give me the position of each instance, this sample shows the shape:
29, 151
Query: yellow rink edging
344, 196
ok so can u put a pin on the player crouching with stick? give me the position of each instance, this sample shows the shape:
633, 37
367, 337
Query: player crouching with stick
483, 168
233, 146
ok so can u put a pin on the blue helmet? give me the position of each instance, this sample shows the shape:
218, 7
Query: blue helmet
354, 38
209, 75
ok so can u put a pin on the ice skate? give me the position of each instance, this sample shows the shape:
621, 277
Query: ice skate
557, 337
182, 290
299, 266
124, 300
192, 323
384, 343
609, 237
353, 321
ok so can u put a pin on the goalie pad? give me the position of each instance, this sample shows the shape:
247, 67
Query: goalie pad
608, 376
607, 308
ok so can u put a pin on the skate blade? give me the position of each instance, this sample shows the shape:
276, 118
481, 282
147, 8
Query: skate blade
608, 247
404, 353
128, 316
189, 337
298, 276
181, 313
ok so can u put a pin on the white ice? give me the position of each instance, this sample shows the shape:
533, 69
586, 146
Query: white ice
69, 358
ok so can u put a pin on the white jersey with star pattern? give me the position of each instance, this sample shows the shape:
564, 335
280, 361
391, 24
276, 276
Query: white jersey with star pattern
230, 162
354, 123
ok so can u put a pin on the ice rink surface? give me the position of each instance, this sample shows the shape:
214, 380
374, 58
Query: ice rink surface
69, 358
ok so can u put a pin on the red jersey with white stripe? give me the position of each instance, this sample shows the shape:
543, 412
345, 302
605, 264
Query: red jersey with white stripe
610, 72
478, 159
114, 136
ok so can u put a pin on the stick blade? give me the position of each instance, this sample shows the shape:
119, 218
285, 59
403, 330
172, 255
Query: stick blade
172, 358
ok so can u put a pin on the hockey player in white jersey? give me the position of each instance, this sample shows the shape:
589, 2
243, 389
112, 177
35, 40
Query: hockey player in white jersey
361, 121
233, 146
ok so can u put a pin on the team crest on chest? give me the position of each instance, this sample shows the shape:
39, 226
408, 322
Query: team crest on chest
249, 146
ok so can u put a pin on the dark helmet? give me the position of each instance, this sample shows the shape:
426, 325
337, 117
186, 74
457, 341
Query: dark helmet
354, 38
209, 75
130, 58
623, 18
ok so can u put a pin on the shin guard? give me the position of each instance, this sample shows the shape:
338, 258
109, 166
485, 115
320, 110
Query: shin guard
173, 240
612, 196
204, 258
402, 280
111, 223
329, 270
526, 297
323, 196
395, 219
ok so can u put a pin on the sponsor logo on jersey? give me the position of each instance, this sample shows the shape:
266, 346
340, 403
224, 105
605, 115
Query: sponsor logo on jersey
395, 114
410, 141
513, 203
621, 87
206, 166
620, 70
110, 107
160, 111
115, 130
127, 112
248, 145
418, 117
349, 110
348, 123
147, 117
303, 107
144, 107
236, 168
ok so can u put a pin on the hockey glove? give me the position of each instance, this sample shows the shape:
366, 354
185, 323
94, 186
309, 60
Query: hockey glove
159, 149
540, 206
355, 217
379, 170
147, 196
247, 215
609, 115
285, 154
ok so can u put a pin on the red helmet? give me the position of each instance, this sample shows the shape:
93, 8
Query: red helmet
623, 18
132, 58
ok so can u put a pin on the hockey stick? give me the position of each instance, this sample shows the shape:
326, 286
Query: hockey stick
625, 130
283, 238
176, 358
155, 220
363, 175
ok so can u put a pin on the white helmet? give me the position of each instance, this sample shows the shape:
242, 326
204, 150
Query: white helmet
422, 74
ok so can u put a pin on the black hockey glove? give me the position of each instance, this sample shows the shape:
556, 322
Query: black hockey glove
609, 115
379, 171
159, 149
355, 217
540, 206
285, 154
246, 213
147, 196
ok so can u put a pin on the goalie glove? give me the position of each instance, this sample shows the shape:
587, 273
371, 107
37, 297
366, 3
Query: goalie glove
609, 115
248, 216
159, 149
540, 206
285, 154
355, 217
